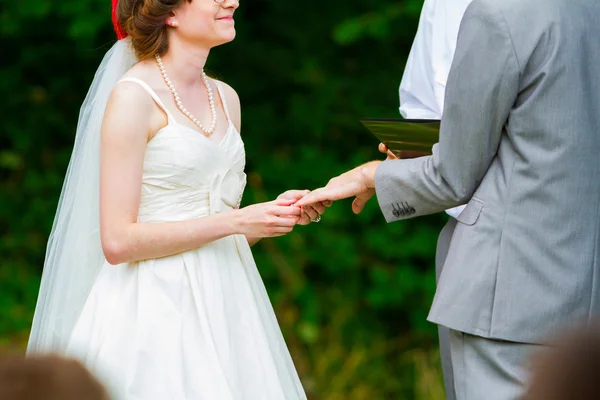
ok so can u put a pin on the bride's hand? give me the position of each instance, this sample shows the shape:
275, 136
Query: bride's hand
311, 212
272, 219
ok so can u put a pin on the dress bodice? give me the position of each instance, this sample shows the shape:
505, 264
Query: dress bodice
186, 175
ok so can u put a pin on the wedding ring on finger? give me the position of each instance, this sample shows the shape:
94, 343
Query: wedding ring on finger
313, 210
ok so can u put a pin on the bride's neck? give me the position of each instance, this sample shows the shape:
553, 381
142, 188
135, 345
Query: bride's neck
184, 63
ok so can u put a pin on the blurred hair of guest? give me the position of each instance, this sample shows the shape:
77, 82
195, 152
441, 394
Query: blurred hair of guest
49, 378
570, 370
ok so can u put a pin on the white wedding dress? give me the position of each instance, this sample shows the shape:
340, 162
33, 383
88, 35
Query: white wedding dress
197, 325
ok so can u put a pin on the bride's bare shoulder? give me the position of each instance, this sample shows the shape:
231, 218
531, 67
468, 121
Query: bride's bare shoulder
130, 104
129, 93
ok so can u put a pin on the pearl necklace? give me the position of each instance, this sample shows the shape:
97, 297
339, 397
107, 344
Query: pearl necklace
211, 99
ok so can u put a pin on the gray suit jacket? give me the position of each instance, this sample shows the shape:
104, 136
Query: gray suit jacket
520, 143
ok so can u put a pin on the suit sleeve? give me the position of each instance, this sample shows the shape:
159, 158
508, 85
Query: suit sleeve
481, 90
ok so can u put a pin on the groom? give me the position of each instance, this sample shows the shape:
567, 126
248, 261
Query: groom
520, 142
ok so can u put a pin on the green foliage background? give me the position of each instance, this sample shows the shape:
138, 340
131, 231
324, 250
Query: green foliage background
351, 293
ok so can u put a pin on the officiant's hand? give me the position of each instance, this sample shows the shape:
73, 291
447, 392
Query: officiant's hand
384, 149
402, 155
311, 212
359, 183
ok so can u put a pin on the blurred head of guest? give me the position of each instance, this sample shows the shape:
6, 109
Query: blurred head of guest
570, 370
48, 378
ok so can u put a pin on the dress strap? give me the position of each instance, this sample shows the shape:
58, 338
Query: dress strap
152, 93
222, 96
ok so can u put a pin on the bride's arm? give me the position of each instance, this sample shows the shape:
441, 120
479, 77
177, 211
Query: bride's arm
125, 132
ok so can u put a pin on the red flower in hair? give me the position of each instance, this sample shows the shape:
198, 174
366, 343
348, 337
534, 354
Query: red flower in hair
120, 33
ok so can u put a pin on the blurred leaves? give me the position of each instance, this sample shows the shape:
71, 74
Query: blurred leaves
351, 293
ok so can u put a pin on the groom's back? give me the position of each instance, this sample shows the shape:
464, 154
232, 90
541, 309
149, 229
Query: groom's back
554, 126
532, 256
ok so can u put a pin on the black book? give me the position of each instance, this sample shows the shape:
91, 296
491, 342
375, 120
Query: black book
405, 134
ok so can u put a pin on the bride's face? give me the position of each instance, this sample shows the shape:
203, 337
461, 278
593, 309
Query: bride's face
207, 22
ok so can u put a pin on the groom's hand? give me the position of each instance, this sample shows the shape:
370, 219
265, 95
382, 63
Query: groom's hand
311, 212
359, 183
362, 199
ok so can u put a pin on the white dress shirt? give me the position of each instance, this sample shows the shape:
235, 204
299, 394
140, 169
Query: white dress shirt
424, 81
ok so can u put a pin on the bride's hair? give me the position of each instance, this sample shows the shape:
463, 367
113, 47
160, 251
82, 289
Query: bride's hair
144, 22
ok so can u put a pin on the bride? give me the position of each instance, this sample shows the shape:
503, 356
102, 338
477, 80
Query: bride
149, 278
